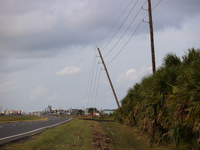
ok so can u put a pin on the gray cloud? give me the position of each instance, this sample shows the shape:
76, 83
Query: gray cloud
14, 65
173, 13
51, 26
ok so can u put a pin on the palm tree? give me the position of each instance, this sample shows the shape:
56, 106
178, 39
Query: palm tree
171, 60
167, 104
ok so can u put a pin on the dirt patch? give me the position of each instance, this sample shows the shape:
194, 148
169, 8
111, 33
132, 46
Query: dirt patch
100, 140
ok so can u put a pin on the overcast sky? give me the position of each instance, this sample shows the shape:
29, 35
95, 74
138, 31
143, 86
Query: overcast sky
48, 48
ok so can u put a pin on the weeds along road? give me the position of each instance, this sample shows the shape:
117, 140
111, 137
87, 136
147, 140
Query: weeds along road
13, 131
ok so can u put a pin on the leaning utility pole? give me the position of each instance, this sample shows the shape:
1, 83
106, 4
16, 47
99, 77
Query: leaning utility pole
108, 78
151, 36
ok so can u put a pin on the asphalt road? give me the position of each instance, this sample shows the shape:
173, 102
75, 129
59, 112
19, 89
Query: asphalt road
14, 131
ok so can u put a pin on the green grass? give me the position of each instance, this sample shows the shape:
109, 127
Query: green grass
76, 134
126, 138
8, 119
60, 116
96, 118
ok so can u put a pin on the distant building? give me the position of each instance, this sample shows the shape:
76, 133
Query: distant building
86, 111
11, 112
57, 111
23, 113
72, 111
108, 111
96, 114
36, 113
6, 112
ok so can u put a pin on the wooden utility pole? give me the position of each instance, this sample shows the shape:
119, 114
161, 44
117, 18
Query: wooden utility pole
151, 36
109, 78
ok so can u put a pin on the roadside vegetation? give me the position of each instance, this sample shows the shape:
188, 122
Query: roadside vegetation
125, 138
87, 135
76, 134
166, 105
9, 119
102, 117
60, 116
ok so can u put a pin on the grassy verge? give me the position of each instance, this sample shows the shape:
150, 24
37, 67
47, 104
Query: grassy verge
9, 119
87, 135
59, 116
96, 118
74, 135
125, 138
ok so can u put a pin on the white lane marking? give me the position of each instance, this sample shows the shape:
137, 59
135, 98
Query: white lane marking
34, 130
1, 126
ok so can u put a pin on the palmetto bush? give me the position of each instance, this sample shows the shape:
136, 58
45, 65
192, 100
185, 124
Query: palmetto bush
166, 105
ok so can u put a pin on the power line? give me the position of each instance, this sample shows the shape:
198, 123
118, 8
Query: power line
126, 30
156, 5
121, 25
126, 42
91, 82
132, 33
90, 76
94, 85
97, 88
153, 8
115, 23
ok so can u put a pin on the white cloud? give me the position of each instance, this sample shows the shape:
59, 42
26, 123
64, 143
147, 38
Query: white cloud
130, 75
133, 75
150, 68
85, 100
38, 92
130, 71
6, 86
55, 96
68, 70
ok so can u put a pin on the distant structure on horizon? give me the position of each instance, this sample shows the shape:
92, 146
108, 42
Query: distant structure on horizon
11, 112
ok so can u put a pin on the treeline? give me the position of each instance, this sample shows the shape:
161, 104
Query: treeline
166, 105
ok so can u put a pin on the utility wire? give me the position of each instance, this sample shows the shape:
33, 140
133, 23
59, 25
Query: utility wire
156, 5
133, 33
91, 81
94, 85
126, 42
121, 25
126, 29
89, 77
115, 22
97, 88
153, 8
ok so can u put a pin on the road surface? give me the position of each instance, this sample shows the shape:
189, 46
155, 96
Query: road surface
13, 131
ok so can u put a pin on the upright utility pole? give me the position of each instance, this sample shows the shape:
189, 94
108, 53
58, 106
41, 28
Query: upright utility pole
151, 36
109, 78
